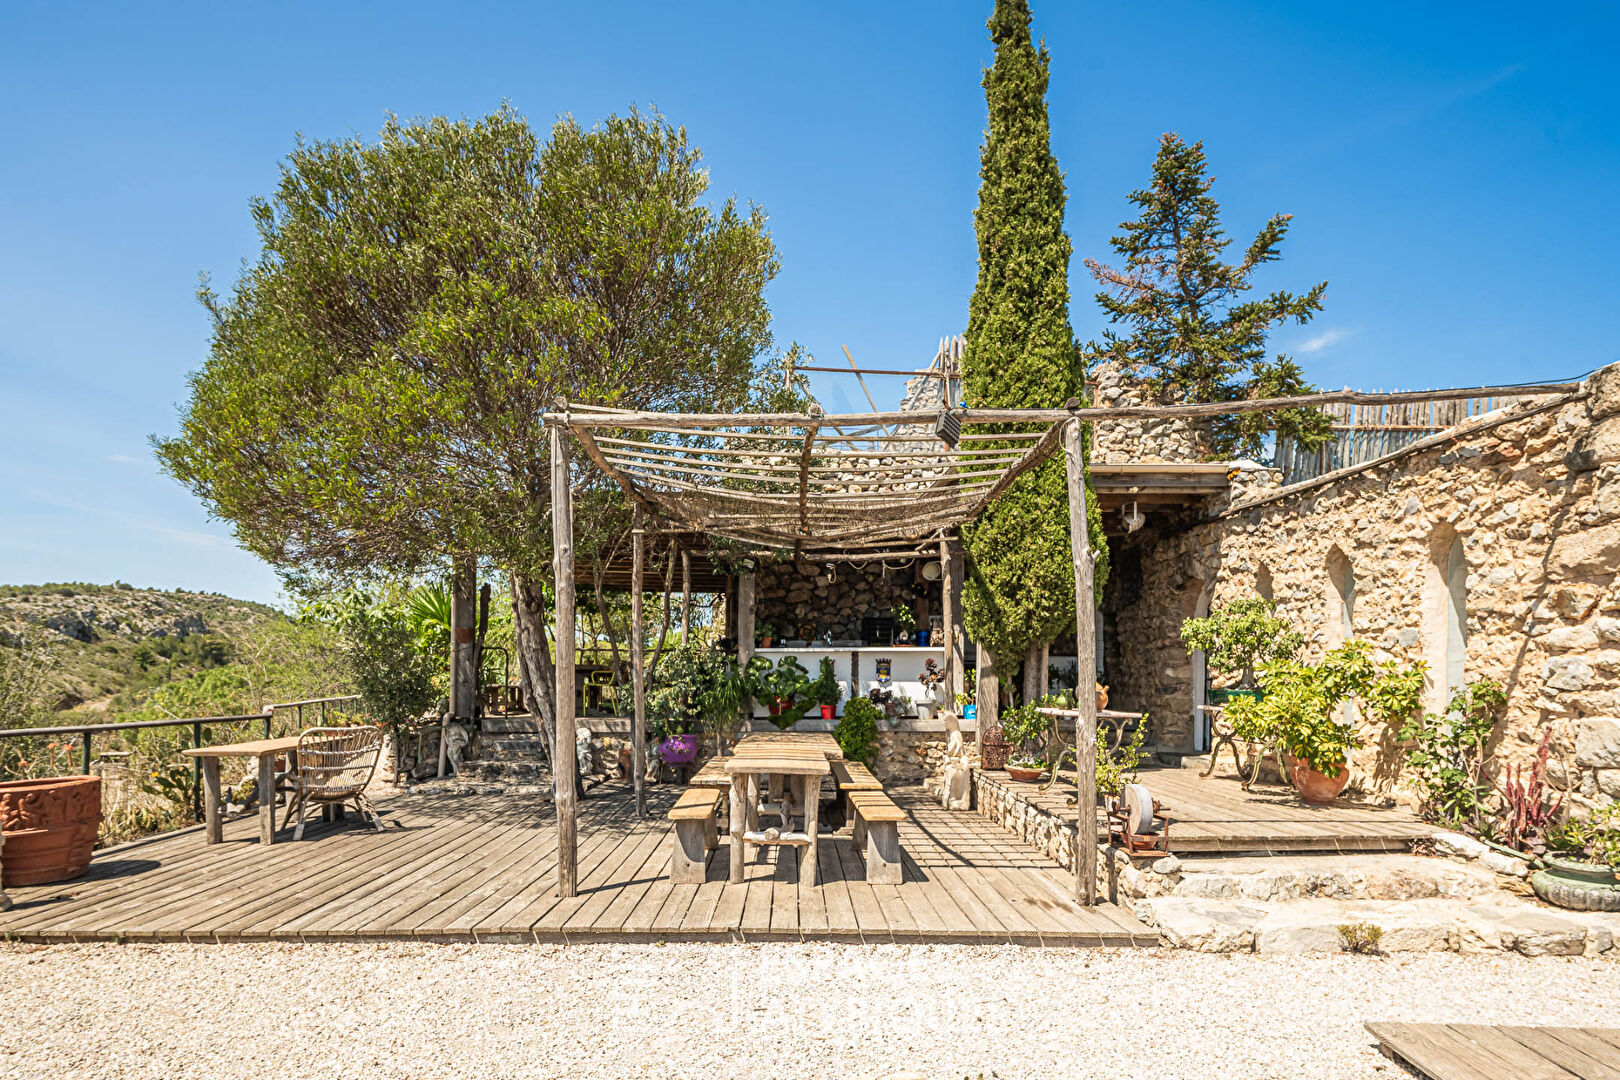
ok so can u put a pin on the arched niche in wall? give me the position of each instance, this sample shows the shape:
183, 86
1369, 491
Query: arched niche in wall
1340, 623
1262, 581
1200, 669
1445, 616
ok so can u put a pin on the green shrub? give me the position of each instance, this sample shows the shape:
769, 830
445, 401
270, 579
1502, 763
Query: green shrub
1449, 759
857, 730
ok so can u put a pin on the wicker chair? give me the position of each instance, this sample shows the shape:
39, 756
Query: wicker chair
334, 766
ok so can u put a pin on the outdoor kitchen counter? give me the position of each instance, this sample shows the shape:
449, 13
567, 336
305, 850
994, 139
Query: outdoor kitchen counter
860, 664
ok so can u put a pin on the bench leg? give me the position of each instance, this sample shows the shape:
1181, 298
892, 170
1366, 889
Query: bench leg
857, 828
711, 833
882, 853
687, 861
738, 817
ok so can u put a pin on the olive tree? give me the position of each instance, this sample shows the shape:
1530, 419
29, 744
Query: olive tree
373, 397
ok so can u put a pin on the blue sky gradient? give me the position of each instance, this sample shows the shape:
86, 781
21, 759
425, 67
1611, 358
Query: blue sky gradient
1452, 169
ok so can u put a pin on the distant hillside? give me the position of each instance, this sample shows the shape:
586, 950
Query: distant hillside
112, 639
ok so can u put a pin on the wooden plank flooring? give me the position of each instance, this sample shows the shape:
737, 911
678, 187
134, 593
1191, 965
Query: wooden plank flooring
484, 868
1215, 814
1480, 1052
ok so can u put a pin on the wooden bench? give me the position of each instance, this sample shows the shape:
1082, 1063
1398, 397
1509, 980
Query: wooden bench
852, 776
695, 834
877, 835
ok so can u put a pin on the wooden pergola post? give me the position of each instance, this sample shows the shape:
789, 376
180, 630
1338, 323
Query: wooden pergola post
638, 674
745, 632
1085, 629
686, 593
563, 762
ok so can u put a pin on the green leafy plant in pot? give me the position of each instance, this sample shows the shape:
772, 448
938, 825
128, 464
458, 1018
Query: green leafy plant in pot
1237, 639
857, 730
904, 622
1026, 731
784, 689
1301, 712
825, 691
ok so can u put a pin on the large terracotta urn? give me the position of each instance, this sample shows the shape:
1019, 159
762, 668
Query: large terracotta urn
50, 828
1314, 787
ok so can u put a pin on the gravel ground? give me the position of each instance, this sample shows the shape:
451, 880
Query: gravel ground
833, 1011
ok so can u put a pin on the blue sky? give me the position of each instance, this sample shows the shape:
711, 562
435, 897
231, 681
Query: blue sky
1453, 170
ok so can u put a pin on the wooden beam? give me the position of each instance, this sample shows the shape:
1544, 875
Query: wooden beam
594, 452
1085, 646
950, 591
638, 668
563, 764
634, 418
881, 371
1033, 457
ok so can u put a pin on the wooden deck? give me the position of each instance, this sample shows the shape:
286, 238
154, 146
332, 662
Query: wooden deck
1478, 1052
1217, 815
483, 868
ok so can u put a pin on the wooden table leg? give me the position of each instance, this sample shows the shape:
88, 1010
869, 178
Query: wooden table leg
267, 798
211, 815
812, 812
737, 824
751, 811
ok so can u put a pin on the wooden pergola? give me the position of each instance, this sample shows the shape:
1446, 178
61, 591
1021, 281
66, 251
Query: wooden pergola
856, 487
853, 488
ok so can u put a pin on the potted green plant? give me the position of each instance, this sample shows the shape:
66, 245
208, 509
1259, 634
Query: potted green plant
1300, 713
933, 683
857, 730
825, 691
1237, 639
904, 622
780, 688
1026, 731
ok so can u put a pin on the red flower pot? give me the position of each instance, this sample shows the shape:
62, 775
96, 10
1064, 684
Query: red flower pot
827, 712
50, 828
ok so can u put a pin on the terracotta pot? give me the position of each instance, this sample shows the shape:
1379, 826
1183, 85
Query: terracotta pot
50, 828
827, 712
1102, 697
1315, 787
1025, 776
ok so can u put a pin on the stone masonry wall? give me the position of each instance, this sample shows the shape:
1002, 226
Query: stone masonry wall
792, 595
1533, 506
1153, 440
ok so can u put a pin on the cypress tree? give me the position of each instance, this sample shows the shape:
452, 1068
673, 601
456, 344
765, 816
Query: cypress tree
1021, 353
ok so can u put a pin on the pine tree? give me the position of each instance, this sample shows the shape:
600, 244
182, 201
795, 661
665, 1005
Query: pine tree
1021, 353
1192, 334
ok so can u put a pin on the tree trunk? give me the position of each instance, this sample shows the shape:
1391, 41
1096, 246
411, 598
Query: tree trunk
1033, 670
537, 675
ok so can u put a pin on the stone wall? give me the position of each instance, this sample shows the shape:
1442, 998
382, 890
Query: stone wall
794, 595
1519, 524
1147, 440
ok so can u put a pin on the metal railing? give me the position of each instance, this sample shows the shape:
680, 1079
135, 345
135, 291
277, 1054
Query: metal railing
198, 724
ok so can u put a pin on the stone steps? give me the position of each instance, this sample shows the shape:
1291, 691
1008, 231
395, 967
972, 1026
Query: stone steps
1426, 925
523, 724
505, 770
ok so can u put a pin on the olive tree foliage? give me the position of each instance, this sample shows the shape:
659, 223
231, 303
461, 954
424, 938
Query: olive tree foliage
373, 396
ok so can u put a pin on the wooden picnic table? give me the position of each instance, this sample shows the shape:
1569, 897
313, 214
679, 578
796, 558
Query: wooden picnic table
266, 750
784, 768
821, 740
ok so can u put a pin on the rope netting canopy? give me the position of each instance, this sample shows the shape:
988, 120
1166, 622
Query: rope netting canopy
859, 486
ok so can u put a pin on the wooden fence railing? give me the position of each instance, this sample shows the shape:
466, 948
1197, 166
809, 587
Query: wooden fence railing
1364, 433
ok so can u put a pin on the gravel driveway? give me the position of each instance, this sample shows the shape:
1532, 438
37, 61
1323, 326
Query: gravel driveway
943, 1012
